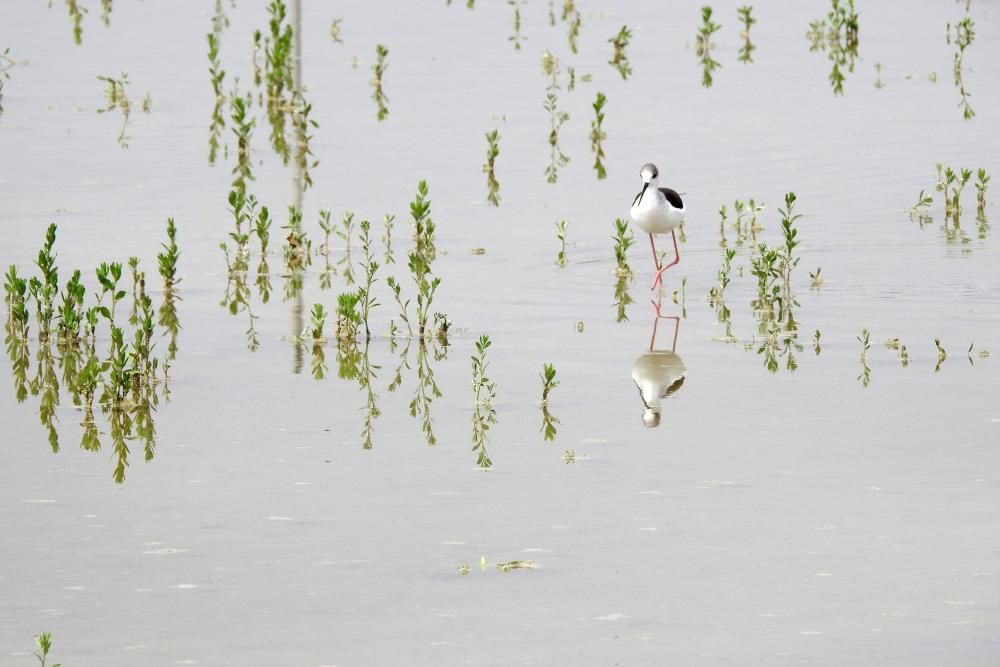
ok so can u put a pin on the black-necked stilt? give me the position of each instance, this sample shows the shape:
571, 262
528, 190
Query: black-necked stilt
657, 211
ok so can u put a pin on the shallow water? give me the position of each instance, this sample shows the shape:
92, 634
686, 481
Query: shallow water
771, 518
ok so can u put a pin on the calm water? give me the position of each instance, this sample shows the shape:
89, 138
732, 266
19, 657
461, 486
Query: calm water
771, 518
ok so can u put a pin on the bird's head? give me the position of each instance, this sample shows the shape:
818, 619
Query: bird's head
649, 173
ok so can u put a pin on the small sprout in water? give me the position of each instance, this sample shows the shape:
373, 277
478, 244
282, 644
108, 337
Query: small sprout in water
618, 59
579, 326
816, 346
892, 343
597, 135
816, 279
516, 565
865, 340
982, 179
517, 37
924, 201
335, 31
904, 356
569, 456
317, 318
482, 563
44, 644
561, 259
942, 355
623, 238
464, 569
878, 77
549, 381
492, 151
747, 20
378, 70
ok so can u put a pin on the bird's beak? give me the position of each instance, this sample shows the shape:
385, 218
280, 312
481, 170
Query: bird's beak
644, 186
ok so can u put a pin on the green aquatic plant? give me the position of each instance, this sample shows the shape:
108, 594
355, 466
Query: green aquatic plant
703, 46
370, 267
45, 288
301, 124
624, 239
76, 17
426, 284
571, 16
278, 74
517, 37
816, 278
924, 201
745, 17
941, 354
718, 292
348, 315
168, 258
618, 58
298, 246
561, 258
965, 34
623, 299
217, 75
404, 306
557, 117
865, 340
816, 346
317, 320
492, 151
116, 97
378, 71
837, 34
345, 233
44, 644
423, 225
597, 135
388, 221
484, 415
878, 77
549, 381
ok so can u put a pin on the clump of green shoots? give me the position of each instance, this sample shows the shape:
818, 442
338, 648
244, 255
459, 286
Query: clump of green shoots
517, 37
618, 58
348, 316
378, 71
317, 320
423, 226
298, 247
550, 66
369, 266
484, 415
597, 135
623, 238
703, 46
964, 35
838, 33
865, 340
492, 151
982, 179
747, 20
561, 225
217, 74
168, 258
919, 209
718, 292
44, 640
549, 381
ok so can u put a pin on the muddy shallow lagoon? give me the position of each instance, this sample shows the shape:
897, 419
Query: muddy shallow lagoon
837, 507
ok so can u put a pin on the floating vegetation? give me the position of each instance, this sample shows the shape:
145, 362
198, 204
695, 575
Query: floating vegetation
6, 63
618, 58
597, 135
571, 16
964, 35
492, 151
114, 93
335, 31
624, 239
561, 259
517, 37
747, 49
516, 565
483, 416
217, 74
378, 70
557, 159
865, 340
838, 35
123, 383
703, 46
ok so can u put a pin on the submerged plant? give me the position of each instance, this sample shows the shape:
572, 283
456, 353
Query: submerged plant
492, 151
618, 58
114, 93
746, 50
484, 415
597, 135
703, 46
378, 71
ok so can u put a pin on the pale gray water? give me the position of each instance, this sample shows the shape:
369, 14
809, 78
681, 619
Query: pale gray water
783, 518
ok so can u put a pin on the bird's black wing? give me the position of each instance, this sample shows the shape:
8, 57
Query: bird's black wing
672, 197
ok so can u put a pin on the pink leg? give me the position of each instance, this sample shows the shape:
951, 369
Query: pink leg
658, 279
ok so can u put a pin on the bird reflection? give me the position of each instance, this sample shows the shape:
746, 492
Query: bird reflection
659, 373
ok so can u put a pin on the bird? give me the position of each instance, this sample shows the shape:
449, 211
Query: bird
658, 373
657, 210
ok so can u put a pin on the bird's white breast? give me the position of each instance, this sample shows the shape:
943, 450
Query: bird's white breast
654, 214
